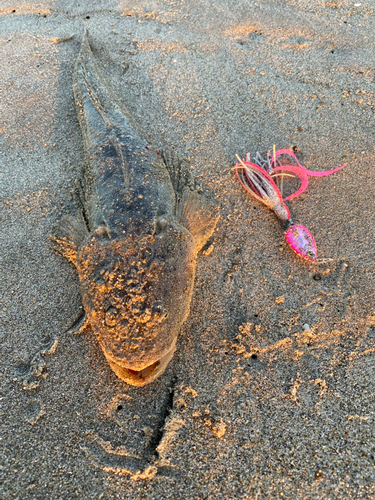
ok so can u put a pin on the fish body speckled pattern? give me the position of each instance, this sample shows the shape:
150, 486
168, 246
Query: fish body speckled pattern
140, 221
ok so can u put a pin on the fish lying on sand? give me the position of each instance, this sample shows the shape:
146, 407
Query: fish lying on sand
140, 221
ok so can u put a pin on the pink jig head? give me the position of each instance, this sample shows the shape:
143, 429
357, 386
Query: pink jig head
302, 242
256, 178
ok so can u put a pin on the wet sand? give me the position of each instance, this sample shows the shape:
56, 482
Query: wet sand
271, 391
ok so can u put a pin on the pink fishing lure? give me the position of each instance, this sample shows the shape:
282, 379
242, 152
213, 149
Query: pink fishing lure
256, 178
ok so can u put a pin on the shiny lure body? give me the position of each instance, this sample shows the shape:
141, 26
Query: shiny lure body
302, 242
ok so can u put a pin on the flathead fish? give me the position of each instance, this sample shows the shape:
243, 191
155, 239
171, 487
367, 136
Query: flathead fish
140, 221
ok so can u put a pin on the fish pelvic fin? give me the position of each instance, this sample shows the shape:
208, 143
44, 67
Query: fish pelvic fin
192, 209
68, 235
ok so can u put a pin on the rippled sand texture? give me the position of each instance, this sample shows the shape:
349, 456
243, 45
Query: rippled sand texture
271, 391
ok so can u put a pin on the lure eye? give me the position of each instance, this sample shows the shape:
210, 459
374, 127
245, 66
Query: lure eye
159, 311
310, 256
111, 316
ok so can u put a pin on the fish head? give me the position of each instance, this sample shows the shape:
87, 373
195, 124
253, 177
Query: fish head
136, 294
302, 242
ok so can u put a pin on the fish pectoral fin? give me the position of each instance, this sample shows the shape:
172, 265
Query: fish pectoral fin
67, 236
197, 216
192, 210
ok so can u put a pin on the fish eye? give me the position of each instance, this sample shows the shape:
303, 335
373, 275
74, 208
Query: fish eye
160, 224
111, 316
159, 311
102, 233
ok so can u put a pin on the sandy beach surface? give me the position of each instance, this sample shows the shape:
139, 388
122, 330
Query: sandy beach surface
271, 391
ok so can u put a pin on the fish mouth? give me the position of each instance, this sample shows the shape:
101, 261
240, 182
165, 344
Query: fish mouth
142, 377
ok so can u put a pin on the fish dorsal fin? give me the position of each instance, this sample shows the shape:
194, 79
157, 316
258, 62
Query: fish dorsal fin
192, 209
179, 172
68, 236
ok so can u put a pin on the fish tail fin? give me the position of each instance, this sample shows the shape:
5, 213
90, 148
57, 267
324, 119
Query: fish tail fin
98, 112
